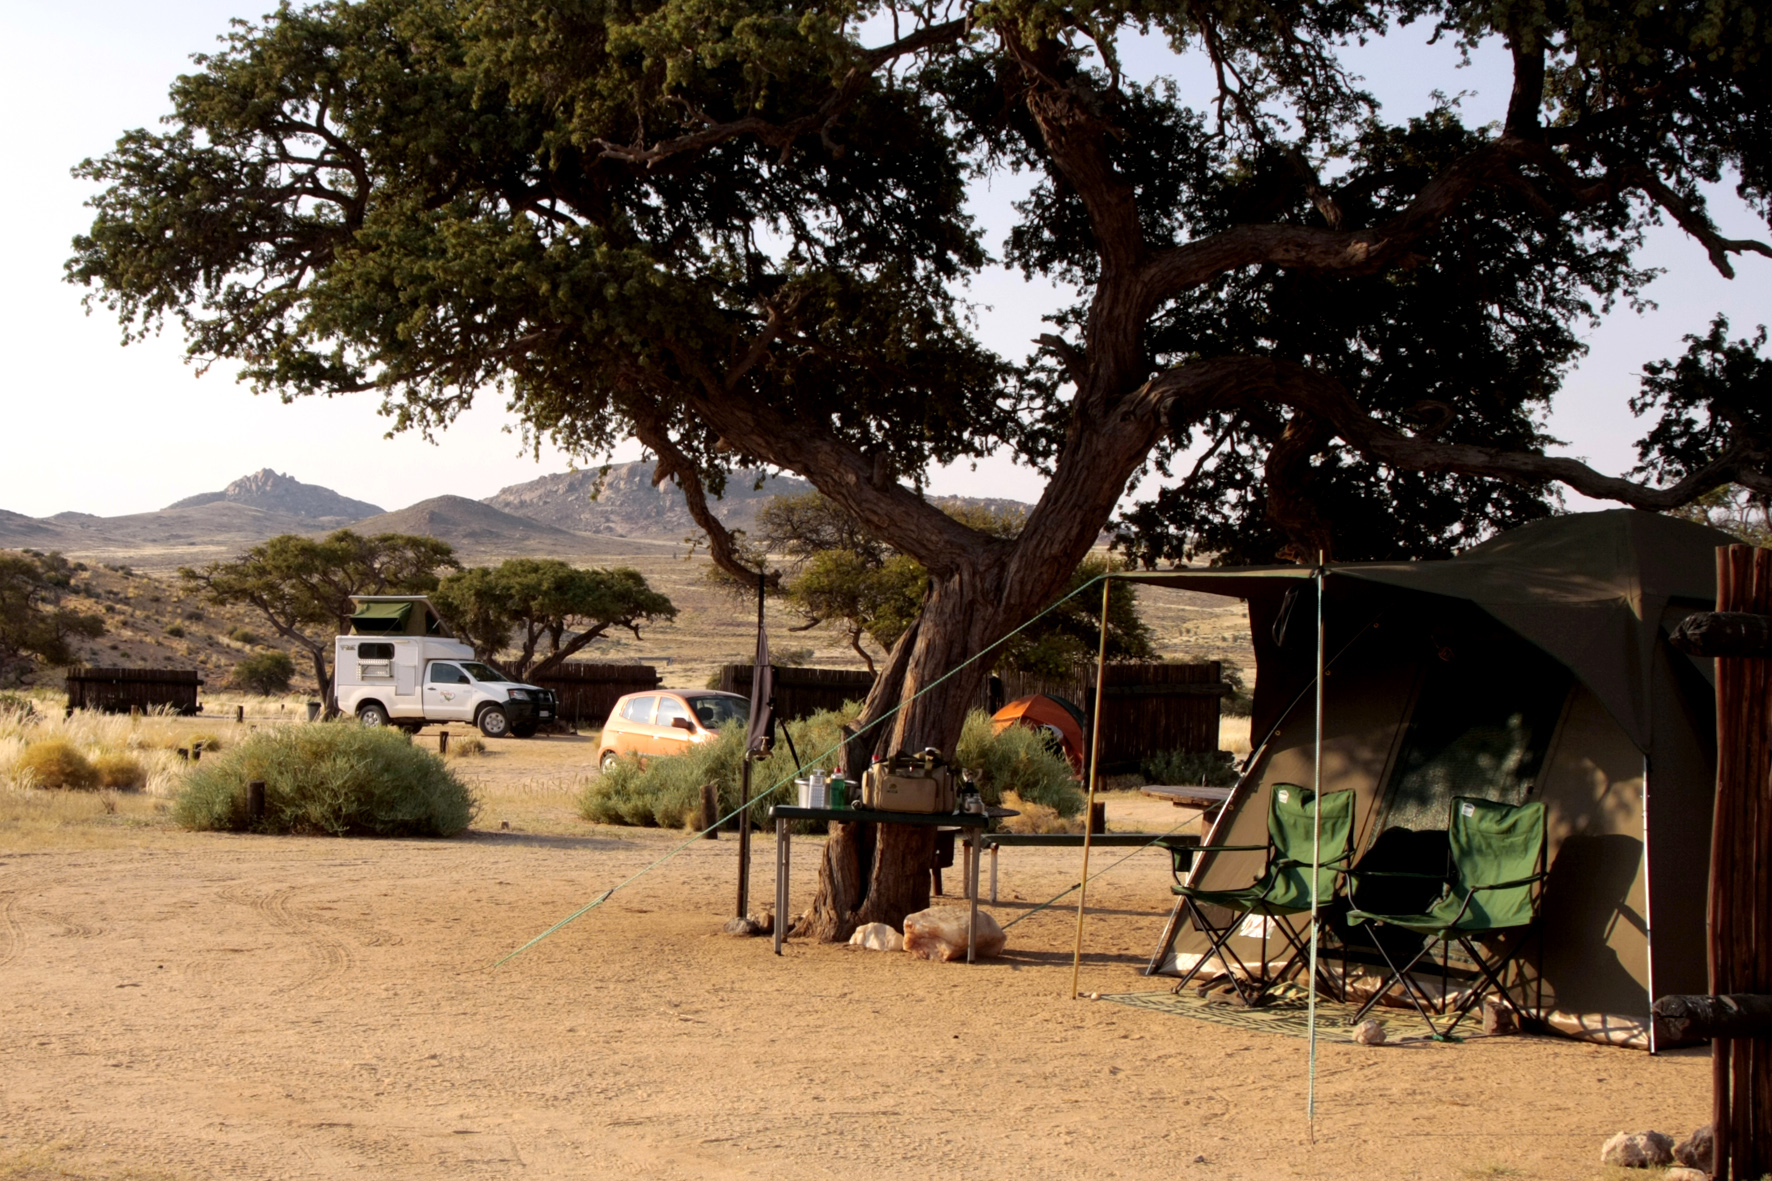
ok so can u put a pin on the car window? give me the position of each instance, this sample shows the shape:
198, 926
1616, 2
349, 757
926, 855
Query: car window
639, 709
447, 674
375, 652
482, 672
714, 712
669, 709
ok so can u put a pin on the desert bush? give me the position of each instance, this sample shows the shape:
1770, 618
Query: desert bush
241, 635
16, 704
337, 779
1021, 760
209, 742
265, 673
56, 762
667, 791
119, 771
176, 631
467, 746
1214, 768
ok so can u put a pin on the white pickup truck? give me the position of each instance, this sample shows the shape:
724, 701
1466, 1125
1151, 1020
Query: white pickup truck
397, 668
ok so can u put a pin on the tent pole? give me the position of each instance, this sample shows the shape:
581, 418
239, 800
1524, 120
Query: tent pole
1316, 850
1094, 776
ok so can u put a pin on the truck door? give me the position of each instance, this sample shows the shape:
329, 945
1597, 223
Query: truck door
449, 693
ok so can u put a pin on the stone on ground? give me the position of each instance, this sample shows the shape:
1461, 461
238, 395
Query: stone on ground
939, 933
1369, 1033
1682, 1173
742, 927
877, 937
1638, 1150
1697, 1151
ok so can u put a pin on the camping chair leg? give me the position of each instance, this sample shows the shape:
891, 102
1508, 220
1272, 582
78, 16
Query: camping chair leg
1301, 958
1220, 938
1171, 929
1398, 976
1492, 980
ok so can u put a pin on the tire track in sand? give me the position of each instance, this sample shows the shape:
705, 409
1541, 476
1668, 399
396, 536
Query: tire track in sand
329, 957
11, 937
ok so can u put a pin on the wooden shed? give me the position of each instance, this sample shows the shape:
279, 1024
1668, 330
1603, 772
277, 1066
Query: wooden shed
119, 690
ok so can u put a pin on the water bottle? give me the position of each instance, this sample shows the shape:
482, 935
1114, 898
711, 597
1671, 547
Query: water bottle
839, 791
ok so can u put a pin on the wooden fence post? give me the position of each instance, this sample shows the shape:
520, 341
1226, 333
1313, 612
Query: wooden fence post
255, 801
442, 742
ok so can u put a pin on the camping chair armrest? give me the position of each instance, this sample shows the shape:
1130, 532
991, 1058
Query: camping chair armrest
1227, 848
1295, 863
1395, 873
1537, 877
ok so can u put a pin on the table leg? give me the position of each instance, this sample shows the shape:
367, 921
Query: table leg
972, 917
993, 875
966, 865
781, 883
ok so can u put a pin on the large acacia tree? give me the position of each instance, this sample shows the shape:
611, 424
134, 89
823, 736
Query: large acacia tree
735, 230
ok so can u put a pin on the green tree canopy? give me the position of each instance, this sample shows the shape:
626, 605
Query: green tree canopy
303, 586
35, 629
523, 602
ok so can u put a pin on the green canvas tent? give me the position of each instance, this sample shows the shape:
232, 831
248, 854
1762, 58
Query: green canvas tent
1533, 666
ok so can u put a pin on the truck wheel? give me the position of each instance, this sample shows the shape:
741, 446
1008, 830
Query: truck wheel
493, 722
523, 731
372, 714
610, 759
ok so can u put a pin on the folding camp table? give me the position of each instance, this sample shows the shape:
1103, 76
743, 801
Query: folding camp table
782, 814
1207, 799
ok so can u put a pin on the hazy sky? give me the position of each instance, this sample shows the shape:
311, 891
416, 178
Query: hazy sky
97, 428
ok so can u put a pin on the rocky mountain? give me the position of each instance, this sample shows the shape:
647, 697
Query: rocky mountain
459, 521
624, 503
277, 493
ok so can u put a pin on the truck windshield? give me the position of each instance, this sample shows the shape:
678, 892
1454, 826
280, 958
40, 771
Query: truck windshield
714, 712
481, 672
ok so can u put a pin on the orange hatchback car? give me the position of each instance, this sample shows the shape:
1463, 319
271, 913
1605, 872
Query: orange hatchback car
666, 721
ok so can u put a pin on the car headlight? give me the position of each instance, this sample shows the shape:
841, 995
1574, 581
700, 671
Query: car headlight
518, 694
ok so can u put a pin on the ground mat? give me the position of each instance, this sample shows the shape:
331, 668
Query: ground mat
1284, 1014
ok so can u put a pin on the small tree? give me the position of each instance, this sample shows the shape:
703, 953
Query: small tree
526, 602
303, 587
265, 673
34, 627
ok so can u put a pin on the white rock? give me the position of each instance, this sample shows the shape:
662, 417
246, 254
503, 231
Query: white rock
1369, 1033
877, 937
939, 933
741, 927
1638, 1150
1683, 1173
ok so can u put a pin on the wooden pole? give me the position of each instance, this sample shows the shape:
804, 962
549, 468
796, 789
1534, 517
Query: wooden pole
255, 801
1094, 775
1310, 1100
442, 742
744, 842
710, 811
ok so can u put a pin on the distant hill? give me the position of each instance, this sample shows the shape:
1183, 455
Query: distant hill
627, 505
278, 493
461, 521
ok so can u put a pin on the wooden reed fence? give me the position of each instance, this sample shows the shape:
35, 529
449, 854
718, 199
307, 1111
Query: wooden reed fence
1741, 874
802, 692
119, 690
1149, 708
586, 692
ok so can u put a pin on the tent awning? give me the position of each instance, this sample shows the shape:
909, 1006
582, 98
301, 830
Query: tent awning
1588, 588
380, 618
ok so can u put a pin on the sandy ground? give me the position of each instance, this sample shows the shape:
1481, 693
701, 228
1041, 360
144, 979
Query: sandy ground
189, 1005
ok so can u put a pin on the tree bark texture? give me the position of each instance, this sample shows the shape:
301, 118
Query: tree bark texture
1724, 633
1741, 874
1713, 1017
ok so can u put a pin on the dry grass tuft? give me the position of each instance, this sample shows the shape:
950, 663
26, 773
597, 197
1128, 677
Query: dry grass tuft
461, 748
1037, 818
56, 762
120, 771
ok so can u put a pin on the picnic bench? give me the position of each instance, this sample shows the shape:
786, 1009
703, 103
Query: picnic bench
1207, 799
1178, 845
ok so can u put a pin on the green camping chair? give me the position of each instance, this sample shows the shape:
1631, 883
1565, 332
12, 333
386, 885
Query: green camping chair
1282, 891
1497, 875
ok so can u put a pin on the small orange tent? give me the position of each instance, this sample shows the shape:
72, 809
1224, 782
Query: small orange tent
1045, 713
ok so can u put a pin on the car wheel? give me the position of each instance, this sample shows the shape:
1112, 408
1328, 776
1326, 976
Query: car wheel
373, 715
610, 759
493, 722
523, 731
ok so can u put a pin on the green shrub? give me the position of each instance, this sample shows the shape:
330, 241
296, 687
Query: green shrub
265, 673
1241, 701
241, 635
1020, 760
667, 791
120, 772
175, 631
1214, 768
334, 779
56, 762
